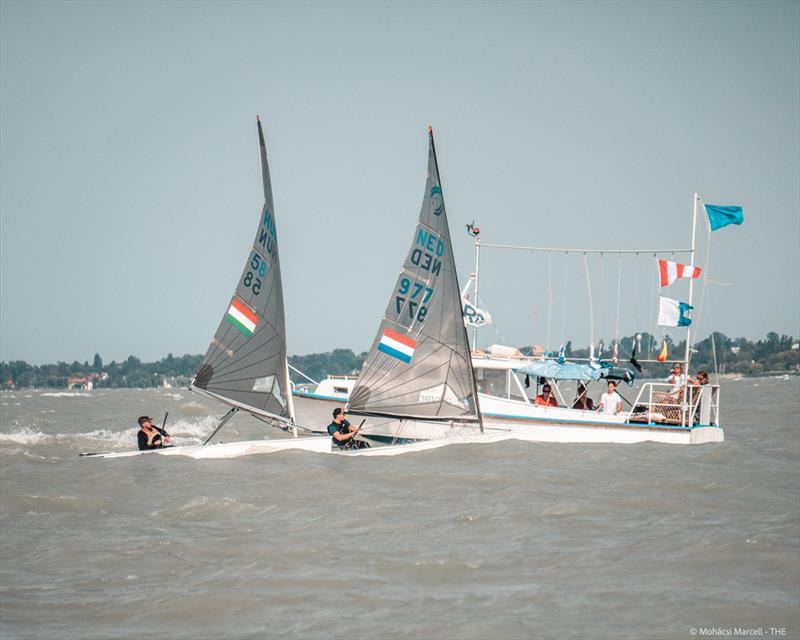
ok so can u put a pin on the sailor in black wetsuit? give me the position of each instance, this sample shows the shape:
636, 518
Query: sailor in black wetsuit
343, 433
150, 436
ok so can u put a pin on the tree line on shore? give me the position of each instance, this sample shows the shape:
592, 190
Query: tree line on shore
774, 355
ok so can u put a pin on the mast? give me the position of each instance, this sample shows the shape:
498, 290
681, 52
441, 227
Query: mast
477, 268
455, 275
691, 285
268, 198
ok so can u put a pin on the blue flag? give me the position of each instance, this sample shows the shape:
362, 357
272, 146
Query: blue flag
720, 216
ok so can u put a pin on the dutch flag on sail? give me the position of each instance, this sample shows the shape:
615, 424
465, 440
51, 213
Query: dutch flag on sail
397, 345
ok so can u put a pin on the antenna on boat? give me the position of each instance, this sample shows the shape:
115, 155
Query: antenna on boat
476, 233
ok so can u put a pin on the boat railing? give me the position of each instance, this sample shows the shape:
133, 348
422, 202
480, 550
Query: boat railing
661, 403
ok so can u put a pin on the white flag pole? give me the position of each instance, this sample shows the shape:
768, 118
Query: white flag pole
685, 403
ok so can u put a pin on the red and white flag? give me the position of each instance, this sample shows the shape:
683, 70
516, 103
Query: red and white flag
669, 272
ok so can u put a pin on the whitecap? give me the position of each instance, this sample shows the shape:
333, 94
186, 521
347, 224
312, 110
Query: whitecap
26, 435
64, 394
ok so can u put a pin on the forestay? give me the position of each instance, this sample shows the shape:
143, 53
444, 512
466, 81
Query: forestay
419, 365
245, 365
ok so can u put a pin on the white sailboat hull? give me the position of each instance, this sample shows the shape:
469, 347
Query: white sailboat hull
229, 449
427, 445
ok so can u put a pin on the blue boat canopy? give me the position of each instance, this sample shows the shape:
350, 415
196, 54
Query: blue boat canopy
570, 371
566, 371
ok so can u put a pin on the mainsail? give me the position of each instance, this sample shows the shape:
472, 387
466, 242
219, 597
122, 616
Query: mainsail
245, 365
419, 365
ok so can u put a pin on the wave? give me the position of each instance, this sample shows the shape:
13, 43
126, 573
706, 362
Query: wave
25, 435
184, 432
204, 508
64, 394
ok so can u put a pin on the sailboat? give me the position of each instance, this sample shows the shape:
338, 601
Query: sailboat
246, 366
417, 380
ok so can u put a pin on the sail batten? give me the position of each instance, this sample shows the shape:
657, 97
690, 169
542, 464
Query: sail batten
246, 364
419, 366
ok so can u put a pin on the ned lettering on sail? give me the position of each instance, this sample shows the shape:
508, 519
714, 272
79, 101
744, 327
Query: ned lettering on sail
431, 245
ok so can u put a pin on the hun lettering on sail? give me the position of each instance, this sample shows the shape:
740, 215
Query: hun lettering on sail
419, 365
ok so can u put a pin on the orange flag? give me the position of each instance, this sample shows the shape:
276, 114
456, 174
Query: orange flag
661, 357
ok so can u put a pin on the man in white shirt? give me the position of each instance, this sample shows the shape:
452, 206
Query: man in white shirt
676, 378
611, 402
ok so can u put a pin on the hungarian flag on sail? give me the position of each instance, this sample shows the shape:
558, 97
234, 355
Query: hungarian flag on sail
241, 317
721, 216
397, 345
673, 313
669, 272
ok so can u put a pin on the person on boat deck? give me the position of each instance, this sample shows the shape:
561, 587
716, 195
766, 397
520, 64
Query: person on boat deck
678, 380
546, 398
583, 401
611, 401
342, 432
150, 436
701, 381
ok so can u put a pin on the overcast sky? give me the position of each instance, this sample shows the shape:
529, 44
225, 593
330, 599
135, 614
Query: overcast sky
130, 181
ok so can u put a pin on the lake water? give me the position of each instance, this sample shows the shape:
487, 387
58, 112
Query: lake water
508, 540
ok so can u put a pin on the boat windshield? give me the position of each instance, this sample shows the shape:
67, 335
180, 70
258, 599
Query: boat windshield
500, 383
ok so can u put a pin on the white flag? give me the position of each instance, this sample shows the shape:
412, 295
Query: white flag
473, 316
673, 313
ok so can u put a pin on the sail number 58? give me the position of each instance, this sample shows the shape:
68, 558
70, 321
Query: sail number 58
411, 295
251, 278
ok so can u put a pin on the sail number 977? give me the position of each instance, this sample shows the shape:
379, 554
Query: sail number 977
258, 269
414, 296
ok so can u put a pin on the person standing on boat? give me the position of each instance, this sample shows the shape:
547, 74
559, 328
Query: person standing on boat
150, 436
678, 380
342, 432
546, 397
583, 401
611, 401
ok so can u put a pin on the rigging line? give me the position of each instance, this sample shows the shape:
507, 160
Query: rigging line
549, 298
602, 289
651, 326
619, 295
297, 371
564, 304
713, 343
584, 251
591, 308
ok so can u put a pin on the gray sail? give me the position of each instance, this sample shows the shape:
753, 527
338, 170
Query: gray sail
245, 365
419, 365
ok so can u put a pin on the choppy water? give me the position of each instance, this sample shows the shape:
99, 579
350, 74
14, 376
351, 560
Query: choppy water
510, 540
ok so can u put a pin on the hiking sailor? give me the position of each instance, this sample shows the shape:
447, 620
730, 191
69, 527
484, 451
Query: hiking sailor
343, 433
150, 436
